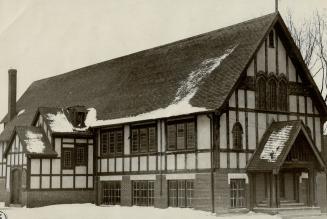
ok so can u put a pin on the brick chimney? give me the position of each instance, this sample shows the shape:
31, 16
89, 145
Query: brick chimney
12, 92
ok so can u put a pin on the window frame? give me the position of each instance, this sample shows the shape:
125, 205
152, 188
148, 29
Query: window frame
144, 187
282, 100
85, 148
185, 123
237, 204
147, 148
182, 193
72, 153
113, 188
272, 96
238, 144
109, 152
261, 95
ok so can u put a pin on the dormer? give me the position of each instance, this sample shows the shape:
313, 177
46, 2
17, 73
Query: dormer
77, 115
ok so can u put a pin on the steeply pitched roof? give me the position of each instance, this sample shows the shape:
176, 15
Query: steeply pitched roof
34, 142
275, 145
150, 79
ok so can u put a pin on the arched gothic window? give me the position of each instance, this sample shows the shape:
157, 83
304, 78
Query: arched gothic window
237, 132
261, 93
282, 97
272, 94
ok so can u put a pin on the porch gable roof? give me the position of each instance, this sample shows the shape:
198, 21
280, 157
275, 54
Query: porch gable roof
34, 142
276, 144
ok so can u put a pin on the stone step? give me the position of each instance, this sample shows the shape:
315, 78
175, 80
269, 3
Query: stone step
290, 204
290, 211
16, 205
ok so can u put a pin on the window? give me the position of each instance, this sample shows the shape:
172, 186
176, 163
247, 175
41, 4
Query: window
282, 97
67, 158
271, 39
144, 139
81, 154
180, 193
261, 92
111, 193
80, 118
181, 135
112, 142
237, 132
272, 94
143, 193
237, 193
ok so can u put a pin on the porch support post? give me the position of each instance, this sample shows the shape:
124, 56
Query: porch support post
312, 182
268, 186
277, 191
252, 190
273, 191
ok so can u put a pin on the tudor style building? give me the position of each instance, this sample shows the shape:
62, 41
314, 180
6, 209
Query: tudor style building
229, 119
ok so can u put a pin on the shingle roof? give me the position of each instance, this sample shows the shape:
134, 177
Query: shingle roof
148, 80
34, 141
275, 145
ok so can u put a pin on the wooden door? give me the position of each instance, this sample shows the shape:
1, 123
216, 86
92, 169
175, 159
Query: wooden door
16, 186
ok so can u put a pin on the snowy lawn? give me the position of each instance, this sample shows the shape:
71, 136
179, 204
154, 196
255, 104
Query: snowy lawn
87, 211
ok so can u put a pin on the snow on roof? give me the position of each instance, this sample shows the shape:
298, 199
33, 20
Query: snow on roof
181, 104
59, 122
275, 144
21, 112
34, 143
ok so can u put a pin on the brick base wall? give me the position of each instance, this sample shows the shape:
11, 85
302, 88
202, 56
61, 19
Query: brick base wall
161, 192
126, 191
4, 194
202, 192
222, 193
321, 194
42, 198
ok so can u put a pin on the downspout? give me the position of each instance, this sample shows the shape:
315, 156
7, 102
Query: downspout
211, 117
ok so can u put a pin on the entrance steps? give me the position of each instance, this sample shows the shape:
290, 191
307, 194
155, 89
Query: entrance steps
16, 205
291, 210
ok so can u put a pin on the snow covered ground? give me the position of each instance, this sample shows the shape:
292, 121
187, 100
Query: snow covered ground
87, 211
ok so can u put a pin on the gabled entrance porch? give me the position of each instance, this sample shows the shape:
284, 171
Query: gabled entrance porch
282, 172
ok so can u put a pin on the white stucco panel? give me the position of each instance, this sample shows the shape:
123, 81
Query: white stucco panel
203, 132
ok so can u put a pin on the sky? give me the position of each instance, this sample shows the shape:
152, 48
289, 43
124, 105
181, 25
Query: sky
43, 38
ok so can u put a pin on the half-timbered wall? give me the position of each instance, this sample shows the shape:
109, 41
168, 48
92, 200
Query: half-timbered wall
47, 173
2, 160
242, 107
16, 158
40, 123
162, 161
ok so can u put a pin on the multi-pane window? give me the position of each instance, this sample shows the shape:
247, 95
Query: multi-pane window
81, 154
144, 139
143, 193
180, 193
111, 192
112, 142
261, 93
237, 193
181, 135
237, 132
272, 94
67, 158
282, 96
